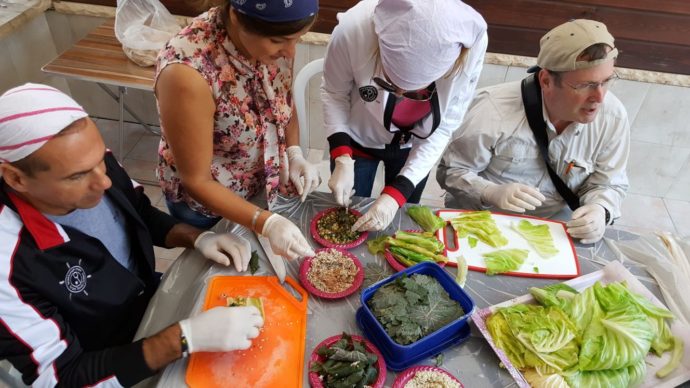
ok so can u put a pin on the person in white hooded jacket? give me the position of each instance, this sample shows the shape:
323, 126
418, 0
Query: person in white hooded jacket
398, 78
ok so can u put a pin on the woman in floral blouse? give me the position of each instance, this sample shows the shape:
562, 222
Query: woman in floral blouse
227, 120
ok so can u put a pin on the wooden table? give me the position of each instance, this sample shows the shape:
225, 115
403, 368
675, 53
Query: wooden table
99, 58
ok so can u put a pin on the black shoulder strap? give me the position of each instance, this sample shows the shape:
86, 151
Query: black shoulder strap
531, 98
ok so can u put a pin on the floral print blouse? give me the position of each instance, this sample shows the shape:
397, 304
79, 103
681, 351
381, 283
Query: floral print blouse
253, 107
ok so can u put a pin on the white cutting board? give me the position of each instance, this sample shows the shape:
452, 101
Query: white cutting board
563, 265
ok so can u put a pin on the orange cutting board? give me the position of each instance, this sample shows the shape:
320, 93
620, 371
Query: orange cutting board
276, 358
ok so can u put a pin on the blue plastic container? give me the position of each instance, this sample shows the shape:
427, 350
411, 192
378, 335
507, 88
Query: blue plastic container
399, 357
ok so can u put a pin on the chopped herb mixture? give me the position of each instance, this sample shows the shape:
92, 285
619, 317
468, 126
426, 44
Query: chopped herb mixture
409, 308
431, 379
346, 363
332, 271
335, 227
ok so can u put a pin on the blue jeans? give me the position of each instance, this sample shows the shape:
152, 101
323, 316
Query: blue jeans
182, 211
393, 159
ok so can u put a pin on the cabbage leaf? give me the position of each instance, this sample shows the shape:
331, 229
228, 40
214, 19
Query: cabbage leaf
504, 260
481, 225
423, 216
538, 236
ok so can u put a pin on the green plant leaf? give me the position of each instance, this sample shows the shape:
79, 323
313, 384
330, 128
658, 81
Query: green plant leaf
504, 260
481, 225
538, 236
425, 218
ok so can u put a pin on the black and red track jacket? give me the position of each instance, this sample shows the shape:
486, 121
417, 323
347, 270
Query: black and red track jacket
68, 309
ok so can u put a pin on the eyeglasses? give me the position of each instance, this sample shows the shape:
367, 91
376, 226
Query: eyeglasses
585, 87
417, 95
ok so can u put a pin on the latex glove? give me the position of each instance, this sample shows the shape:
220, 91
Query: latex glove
222, 329
218, 247
588, 223
379, 216
303, 174
286, 239
514, 197
342, 180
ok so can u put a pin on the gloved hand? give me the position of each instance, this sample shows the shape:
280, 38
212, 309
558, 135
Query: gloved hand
286, 239
217, 247
588, 223
342, 180
300, 170
514, 197
380, 214
222, 329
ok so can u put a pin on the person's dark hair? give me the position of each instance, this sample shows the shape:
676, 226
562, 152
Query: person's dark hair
265, 28
32, 164
591, 53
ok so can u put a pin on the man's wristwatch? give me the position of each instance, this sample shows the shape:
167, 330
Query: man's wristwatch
184, 345
607, 217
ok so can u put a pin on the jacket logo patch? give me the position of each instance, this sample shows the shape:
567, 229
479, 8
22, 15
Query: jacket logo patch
75, 279
368, 93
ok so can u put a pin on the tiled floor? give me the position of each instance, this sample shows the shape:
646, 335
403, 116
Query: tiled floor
659, 195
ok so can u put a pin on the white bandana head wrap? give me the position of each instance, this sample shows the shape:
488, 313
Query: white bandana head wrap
420, 40
32, 114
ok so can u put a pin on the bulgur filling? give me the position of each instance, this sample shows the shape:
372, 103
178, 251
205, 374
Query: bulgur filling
331, 271
431, 379
335, 227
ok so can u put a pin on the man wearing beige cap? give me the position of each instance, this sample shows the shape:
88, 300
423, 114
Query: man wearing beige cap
570, 146
76, 255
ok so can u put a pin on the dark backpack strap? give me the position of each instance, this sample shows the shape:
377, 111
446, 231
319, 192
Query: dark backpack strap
531, 98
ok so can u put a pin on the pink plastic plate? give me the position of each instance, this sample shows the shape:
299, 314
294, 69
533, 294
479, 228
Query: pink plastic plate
315, 233
395, 263
314, 380
408, 374
306, 264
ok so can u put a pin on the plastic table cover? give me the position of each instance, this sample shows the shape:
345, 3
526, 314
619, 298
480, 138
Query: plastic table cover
183, 287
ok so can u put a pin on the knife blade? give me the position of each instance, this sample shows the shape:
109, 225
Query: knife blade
276, 260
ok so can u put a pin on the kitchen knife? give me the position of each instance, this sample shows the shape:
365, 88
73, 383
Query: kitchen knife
276, 260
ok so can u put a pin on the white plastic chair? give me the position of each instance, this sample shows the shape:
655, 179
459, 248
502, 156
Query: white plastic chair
299, 93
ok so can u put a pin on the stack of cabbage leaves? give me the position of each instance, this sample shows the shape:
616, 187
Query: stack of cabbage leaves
595, 338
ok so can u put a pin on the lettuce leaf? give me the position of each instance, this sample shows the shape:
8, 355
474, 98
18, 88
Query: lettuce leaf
481, 225
504, 260
538, 236
535, 336
423, 216
377, 245
552, 380
615, 378
619, 334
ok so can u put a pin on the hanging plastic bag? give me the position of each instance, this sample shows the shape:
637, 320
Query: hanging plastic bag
143, 27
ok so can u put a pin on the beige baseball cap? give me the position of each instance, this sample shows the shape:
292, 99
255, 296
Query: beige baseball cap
560, 47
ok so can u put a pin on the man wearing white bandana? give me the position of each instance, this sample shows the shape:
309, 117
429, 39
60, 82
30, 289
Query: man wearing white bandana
77, 267
495, 162
398, 77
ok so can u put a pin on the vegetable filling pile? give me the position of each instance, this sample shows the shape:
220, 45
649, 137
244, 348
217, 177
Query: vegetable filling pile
332, 271
335, 227
429, 379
